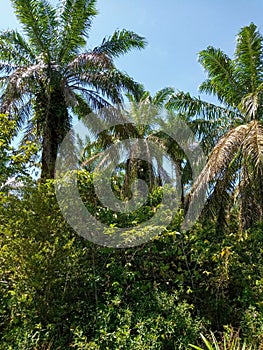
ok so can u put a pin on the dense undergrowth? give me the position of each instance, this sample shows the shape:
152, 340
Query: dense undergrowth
201, 288
59, 291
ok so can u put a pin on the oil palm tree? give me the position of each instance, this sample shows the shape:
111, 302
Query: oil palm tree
47, 74
145, 122
138, 124
232, 131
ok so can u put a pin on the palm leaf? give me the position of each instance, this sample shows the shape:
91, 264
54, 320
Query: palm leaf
14, 49
250, 195
253, 143
221, 81
222, 194
248, 57
38, 19
120, 43
74, 18
162, 96
219, 160
88, 61
251, 104
109, 83
195, 107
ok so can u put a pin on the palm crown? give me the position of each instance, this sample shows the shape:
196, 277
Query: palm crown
48, 74
232, 132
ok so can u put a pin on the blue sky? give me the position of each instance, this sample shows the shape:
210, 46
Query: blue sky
176, 30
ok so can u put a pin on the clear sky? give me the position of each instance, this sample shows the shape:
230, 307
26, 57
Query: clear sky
176, 30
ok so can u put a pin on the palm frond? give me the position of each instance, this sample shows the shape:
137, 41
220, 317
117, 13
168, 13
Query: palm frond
18, 107
110, 83
251, 104
38, 20
223, 153
250, 193
74, 18
208, 132
248, 58
19, 83
220, 158
162, 96
222, 194
83, 107
233, 174
88, 61
221, 81
121, 42
195, 107
253, 143
6, 68
14, 49
138, 95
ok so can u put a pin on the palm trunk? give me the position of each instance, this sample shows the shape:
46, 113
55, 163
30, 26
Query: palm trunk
49, 153
140, 169
129, 177
56, 125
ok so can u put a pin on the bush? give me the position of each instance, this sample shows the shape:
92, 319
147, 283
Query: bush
59, 291
56, 288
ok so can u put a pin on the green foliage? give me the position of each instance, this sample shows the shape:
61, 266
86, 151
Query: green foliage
252, 322
14, 161
158, 322
110, 217
59, 291
56, 288
48, 73
229, 342
7, 128
232, 131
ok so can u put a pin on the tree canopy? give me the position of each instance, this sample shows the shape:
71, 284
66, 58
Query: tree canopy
232, 131
48, 74
178, 287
